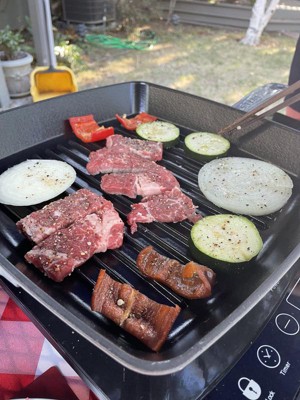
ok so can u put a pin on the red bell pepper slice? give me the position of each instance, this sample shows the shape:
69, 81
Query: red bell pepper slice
87, 129
132, 123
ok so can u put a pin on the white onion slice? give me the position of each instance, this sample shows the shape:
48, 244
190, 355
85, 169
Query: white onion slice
34, 181
245, 186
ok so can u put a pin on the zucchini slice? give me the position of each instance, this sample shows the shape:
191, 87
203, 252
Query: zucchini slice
225, 239
159, 131
205, 146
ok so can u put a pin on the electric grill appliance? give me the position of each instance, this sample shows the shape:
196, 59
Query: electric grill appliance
210, 337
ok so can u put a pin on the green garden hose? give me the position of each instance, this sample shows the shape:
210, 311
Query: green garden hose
117, 43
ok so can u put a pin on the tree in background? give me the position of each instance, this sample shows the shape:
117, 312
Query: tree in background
262, 12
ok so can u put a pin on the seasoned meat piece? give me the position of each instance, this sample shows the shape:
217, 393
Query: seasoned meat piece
60, 214
142, 317
147, 183
112, 228
70, 247
172, 206
144, 148
192, 281
112, 159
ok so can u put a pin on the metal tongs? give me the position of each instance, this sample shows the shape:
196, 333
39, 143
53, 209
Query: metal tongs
265, 109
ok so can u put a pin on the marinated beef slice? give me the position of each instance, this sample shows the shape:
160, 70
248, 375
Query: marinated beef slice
70, 247
172, 206
142, 317
192, 281
60, 214
114, 159
146, 149
156, 181
132, 175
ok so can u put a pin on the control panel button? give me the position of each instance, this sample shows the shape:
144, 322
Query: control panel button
294, 297
250, 389
287, 324
268, 356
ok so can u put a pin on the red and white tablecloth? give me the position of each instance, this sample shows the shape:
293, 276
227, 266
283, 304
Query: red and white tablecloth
25, 354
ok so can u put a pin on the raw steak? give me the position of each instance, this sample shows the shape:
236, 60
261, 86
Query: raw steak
192, 280
60, 214
173, 206
112, 159
70, 247
142, 317
147, 183
144, 148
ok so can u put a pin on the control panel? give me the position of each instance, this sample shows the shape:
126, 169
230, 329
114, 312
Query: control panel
270, 369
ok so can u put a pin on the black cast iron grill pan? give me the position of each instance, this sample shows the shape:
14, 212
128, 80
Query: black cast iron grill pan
42, 131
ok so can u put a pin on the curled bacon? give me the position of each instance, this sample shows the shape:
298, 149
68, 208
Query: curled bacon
142, 317
192, 281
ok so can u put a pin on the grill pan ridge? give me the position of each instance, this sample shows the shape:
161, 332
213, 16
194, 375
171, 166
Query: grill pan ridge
201, 322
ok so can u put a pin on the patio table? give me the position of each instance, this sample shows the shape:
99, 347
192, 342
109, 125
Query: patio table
26, 355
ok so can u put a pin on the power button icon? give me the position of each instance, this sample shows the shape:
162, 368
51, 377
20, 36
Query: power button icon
287, 324
250, 389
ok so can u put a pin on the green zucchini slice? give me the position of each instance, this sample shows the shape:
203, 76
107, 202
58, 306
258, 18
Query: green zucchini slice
205, 146
159, 131
225, 239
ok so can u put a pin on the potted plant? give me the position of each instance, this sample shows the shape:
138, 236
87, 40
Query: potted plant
15, 62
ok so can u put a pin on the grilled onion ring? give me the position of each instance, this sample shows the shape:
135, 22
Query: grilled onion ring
35, 181
245, 186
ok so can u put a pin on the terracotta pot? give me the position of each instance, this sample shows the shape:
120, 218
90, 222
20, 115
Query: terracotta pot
17, 75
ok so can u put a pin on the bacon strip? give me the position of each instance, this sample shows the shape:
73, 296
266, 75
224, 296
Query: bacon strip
140, 316
192, 281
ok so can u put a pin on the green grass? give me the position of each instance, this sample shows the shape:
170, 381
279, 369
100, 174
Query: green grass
206, 62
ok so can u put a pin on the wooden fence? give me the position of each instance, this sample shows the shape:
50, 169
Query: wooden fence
285, 19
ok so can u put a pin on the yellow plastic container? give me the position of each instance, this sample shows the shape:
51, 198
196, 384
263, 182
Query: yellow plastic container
50, 82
